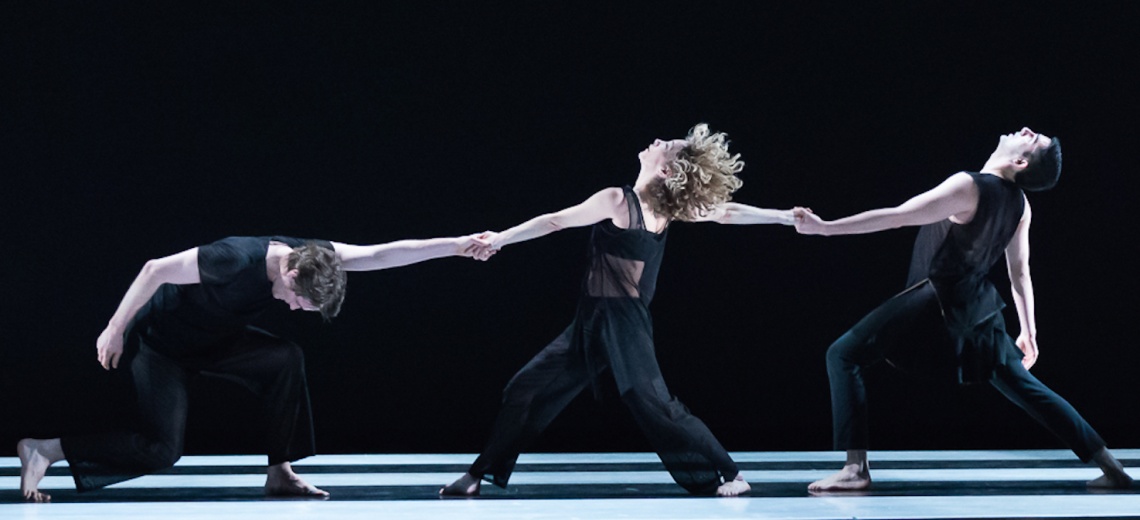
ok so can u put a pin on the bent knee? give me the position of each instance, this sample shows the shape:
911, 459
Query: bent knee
839, 353
835, 357
159, 456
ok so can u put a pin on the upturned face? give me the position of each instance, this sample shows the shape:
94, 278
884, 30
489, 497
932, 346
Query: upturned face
657, 156
1023, 143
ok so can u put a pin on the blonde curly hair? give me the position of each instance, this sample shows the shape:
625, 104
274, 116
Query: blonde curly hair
700, 178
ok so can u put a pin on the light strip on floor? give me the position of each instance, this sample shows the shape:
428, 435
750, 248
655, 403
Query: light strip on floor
810, 508
585, 477
625, 458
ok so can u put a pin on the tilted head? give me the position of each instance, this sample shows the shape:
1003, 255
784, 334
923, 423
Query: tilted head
1033, 159
315, 274
1044, 169
693, 175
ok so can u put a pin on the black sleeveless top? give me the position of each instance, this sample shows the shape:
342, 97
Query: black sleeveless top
184, 320
955, 260
624, 262
612, 325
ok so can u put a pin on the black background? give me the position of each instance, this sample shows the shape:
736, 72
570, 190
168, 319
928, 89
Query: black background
132, 132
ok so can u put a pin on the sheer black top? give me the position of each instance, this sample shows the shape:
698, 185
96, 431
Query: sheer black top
624, 262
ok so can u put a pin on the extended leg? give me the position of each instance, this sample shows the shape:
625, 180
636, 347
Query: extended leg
692, 454
533, 398
1059, 417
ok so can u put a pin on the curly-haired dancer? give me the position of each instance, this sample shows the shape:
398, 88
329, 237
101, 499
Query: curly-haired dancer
949, 321
189, 314
689, 179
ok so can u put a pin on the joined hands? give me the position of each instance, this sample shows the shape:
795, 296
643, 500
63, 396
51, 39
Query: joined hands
479, 246
807, 222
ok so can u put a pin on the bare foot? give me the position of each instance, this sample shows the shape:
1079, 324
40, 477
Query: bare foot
282, 482
851, 478
1114, 476
734, 487
1117, 479
465, 486
36, 456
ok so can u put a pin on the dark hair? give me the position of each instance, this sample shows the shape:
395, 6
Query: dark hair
320, 278
1044, 169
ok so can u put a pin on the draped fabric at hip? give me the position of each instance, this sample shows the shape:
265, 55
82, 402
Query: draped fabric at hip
618, 285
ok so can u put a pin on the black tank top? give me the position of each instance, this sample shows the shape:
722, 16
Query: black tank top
957, 258
624, 262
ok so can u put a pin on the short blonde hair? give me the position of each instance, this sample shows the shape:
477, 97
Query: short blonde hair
700, 178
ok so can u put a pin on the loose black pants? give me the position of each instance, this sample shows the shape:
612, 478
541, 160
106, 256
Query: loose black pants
271, 367
893, 326
543, 388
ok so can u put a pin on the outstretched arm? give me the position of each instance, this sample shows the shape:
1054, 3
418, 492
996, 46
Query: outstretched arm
1017, 260
404, 252
602, 205
180, 268
956, 196
743, 214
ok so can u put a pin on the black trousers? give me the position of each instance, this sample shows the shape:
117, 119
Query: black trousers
272, 368
543, 388
892, 326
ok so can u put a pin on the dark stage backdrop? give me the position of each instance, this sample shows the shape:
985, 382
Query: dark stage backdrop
135, 131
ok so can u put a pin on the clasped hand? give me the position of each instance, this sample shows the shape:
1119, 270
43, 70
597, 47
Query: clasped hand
479, 246
807, 222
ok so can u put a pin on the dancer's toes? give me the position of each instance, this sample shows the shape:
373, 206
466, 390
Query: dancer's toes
299, 488
465, 486
281, 481
734, 487
290, 485
847, 479
36, 496
35, 458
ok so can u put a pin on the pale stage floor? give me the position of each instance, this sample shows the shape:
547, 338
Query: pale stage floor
599, 486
